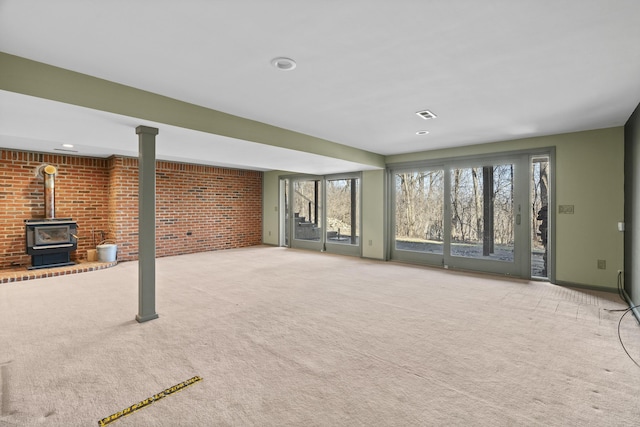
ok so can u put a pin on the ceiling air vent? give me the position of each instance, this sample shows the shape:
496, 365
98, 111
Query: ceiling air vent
426, 114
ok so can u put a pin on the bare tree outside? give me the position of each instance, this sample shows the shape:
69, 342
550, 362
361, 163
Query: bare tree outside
504, 218
343, 210
420, 211
307, 210
340, 221
539, 216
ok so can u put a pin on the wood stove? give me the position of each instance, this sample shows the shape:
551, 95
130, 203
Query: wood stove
50, 241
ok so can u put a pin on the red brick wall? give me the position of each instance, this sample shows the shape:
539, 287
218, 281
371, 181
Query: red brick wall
198, 208
123, 204
202, 208
80, 192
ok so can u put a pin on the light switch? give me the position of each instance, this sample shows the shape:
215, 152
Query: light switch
565, 209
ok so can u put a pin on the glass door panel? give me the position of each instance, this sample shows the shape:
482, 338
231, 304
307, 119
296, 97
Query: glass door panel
482, 212
419, 216
505, 218
342, 215
467, 212
485, 205
285, 225
539, 216
307, 213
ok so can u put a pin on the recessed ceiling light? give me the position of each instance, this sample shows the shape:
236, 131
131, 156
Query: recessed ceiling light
67, 145
284, 64
426, 114
422, 132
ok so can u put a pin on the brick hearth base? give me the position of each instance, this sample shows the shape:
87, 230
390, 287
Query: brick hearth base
21, 274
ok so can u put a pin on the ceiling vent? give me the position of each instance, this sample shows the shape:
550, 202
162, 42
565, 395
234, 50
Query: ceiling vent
426, 114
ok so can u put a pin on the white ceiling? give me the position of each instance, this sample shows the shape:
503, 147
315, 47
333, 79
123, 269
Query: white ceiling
42, 125
492, 70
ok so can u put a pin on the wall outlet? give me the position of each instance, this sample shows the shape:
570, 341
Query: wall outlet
602, 264
269, 232
370, 242
565, 209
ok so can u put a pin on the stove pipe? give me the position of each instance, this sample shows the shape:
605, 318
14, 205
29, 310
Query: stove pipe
49, 173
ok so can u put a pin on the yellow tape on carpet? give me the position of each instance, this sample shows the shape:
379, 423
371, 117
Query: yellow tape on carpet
148, 401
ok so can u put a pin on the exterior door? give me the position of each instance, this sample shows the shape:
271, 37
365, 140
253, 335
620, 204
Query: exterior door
307, 224
470, 215
306, 219
342, 219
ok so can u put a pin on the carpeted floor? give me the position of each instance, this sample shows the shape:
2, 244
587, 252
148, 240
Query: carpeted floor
284, 337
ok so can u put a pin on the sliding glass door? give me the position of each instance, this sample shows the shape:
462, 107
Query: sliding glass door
469, 214
323, 215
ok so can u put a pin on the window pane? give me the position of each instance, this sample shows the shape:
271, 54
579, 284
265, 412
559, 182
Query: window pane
539, 216
482, 214
306, 210
342, 211
419, 211
285, 183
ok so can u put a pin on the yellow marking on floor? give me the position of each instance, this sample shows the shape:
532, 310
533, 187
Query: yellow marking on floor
148, 401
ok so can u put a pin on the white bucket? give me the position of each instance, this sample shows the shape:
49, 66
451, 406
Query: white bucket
107, 252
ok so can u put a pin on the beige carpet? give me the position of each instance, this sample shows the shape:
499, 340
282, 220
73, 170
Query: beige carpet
284, 337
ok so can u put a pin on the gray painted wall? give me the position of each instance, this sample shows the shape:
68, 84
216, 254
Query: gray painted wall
632, 206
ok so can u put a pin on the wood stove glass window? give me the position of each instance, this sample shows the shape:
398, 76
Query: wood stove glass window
52, 235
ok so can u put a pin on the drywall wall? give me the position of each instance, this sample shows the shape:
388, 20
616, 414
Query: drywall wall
632, 207
373, 219
589, 169
271, 207
589, 175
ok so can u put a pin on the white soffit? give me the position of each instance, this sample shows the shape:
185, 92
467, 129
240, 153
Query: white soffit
30, 123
